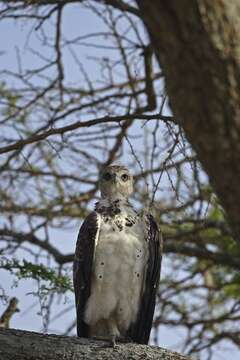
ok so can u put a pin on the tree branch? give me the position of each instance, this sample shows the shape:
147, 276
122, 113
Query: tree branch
79, 124
117, 4
26, 345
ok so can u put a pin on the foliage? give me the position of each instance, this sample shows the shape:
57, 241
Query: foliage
53, 282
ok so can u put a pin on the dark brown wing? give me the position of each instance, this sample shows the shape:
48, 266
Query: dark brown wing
140, 330
82, 268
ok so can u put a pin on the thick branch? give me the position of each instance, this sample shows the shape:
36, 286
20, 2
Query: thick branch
79, 124
26, 345
117, 4
198, 46
31, 238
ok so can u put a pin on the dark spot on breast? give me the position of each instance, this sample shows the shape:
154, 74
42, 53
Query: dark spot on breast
113, 229
119, 224
138, 256
100, 276
129, 221
102, 263
138, 274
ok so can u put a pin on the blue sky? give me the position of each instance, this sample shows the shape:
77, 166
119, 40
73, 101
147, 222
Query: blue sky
76, 22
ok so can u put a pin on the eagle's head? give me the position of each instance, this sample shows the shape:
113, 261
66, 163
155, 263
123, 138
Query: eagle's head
116, 182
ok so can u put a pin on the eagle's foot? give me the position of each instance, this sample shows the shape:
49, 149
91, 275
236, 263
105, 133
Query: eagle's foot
111, 340
124, 339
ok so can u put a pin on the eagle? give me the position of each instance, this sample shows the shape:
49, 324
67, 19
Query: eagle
117, 265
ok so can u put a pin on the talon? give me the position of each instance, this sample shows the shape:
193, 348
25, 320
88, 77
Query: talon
113, 341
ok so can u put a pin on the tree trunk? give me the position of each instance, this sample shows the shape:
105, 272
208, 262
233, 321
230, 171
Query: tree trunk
26, 345
198, 46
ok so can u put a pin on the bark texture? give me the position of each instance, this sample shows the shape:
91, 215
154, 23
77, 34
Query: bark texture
198, 47
26, 345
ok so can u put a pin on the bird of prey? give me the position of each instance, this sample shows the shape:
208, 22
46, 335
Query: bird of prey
117, 265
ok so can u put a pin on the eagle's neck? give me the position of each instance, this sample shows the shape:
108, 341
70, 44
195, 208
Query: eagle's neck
112, 206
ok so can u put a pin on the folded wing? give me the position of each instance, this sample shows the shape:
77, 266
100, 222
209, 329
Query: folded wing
82, 268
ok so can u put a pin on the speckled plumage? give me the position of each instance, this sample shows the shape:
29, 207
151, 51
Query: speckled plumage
117, 265
120, 260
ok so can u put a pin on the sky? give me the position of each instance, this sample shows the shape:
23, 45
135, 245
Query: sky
14, 37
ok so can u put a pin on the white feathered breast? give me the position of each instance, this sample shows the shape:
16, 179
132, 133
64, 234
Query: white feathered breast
119, 269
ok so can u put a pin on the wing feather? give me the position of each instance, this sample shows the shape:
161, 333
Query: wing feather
82, 267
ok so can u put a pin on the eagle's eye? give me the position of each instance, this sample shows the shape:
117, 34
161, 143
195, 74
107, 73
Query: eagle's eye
125, 177
107, 176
